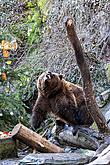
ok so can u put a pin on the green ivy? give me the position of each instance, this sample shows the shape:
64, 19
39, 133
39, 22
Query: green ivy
35, 20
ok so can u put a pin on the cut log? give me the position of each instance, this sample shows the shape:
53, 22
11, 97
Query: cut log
87, 82
34, 140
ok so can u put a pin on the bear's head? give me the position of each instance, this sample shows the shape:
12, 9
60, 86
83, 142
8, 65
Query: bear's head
49, 83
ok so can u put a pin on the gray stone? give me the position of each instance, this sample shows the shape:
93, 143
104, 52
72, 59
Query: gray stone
55, 158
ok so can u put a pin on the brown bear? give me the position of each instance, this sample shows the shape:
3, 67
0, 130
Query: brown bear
64, 99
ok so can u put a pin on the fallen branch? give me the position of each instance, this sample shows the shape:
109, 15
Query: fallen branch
34, 140
87, 83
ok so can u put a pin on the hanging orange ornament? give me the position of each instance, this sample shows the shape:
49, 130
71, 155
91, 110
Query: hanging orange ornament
4, 76
5, 45
5, 54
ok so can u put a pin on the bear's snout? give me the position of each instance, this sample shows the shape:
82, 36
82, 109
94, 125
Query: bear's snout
48, 76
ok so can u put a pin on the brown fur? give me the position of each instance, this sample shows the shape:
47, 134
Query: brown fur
62, 98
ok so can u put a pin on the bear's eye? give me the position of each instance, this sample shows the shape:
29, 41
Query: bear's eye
52, 75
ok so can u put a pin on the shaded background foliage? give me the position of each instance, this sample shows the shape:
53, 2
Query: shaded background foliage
39, 28
21, 21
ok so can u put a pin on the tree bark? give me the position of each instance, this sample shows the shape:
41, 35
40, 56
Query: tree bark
34, 140
87, 82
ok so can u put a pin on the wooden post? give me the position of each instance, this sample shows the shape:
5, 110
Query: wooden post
87, 83
34, 140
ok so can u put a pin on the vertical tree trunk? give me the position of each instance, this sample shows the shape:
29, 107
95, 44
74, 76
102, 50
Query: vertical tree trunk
87, 83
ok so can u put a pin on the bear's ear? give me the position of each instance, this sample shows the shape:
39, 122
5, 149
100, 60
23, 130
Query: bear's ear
60, 76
